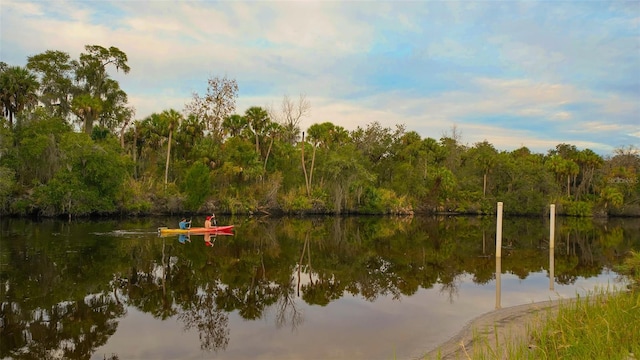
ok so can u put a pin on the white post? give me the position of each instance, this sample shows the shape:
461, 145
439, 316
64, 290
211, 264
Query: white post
552, 226
499, 232
552, 235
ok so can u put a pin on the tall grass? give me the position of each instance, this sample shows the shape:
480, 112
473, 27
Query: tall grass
602, 325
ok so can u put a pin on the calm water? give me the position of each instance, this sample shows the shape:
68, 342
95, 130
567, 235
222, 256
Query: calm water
321, 288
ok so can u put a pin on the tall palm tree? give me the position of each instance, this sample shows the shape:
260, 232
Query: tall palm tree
173, 120
258, 120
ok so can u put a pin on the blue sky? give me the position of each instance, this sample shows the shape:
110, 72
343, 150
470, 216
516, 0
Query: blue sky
514, 73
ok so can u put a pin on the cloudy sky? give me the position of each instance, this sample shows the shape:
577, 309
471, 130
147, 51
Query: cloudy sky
531, 73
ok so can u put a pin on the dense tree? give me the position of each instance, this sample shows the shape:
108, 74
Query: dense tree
99, 98
83, 86
56, 77
251, 162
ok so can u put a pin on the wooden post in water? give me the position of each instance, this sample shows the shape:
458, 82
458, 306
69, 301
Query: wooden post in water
552, 231
499, 232
552, 226
499, 256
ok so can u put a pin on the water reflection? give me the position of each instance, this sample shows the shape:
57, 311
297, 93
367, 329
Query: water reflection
551, 268
73, 290
498, 282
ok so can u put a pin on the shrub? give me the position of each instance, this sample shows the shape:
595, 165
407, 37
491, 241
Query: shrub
577, 208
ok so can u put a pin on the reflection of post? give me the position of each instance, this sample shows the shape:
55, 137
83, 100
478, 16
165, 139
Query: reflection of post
551, 263
484, 242
304, 248
499, 232
498, 255
498, 282
552, 234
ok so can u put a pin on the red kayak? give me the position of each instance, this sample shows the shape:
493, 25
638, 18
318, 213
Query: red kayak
197, 230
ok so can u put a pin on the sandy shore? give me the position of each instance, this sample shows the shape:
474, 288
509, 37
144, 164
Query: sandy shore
503, 325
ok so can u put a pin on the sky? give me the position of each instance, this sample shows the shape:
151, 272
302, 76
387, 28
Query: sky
513, 73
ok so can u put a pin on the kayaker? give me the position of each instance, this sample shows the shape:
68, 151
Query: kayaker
207, 222
184, 224
183, 239
207, 240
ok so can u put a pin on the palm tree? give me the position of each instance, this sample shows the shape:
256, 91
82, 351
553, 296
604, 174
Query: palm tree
173, 120
87, 108
485, 155
234, 124
18, 87
258, 120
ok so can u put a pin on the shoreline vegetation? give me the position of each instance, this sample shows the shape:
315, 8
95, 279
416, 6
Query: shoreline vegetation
604, 324
70, 145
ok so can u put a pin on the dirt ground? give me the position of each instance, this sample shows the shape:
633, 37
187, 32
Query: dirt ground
503, 325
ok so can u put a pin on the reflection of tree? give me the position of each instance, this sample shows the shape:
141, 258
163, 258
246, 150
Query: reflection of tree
47, 308
169, 287
69, 330
451, 289
287, 312
55, 303
212, 323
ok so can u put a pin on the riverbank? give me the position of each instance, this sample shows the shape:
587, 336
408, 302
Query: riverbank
602, 325
495, 327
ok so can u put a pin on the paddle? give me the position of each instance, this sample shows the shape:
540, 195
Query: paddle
215, 223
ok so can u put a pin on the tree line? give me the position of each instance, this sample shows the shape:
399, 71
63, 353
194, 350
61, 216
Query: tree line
70, 145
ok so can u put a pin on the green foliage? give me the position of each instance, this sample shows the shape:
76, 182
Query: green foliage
372, 169
88, 180
295, 201
577, 208
631, 269
7, 184
611, 195
134, 198
196, 186
473, 202
6, 139
38, 156
167, 198
383, 201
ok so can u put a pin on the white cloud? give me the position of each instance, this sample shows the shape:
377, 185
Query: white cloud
518, 73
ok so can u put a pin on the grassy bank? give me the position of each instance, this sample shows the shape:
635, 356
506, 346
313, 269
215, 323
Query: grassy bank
599, 326
603, 325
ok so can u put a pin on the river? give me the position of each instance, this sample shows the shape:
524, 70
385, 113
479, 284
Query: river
284, 288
